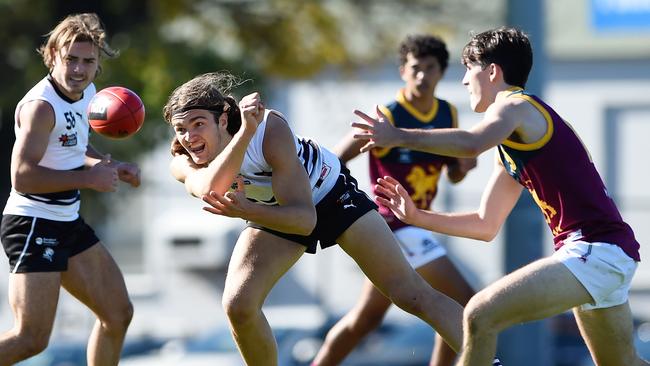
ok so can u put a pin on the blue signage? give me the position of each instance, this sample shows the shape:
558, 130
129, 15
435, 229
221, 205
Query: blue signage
624, 15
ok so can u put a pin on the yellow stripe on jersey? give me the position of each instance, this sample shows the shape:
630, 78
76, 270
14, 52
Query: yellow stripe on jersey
380, 152
511, 163
549, 128
422, 117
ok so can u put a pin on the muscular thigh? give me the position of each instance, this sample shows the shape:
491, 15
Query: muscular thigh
373, 246
608, 334
536, 291
258, 261
33, 298
94, 278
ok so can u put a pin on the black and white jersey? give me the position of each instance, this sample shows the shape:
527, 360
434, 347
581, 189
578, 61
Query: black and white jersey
66, 150
321, 165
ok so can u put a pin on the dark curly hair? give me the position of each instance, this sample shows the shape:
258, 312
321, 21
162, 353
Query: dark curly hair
421, 45
209, 91
507, 47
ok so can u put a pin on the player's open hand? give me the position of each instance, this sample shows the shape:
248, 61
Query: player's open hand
231, 204
378, 132
392, 194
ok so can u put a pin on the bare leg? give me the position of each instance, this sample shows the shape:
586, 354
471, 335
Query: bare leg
94, 278
443, 276
257, 263
33, 298
608, 335
366, 315
372, 245
539, 290
371, 307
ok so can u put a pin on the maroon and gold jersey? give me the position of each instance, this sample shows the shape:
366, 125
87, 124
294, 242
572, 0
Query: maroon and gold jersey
418, 171
558, 172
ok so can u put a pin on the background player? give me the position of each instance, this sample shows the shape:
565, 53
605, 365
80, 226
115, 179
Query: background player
292, 193
423, 61
48, 244
596, 252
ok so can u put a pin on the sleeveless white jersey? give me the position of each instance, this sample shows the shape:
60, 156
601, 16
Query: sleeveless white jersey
322, 166
66, 150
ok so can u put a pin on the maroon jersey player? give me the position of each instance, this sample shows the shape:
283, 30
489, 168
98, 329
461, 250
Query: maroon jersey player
596, 252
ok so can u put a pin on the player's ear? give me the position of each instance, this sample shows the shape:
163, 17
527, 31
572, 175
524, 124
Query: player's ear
495, 71
223, 120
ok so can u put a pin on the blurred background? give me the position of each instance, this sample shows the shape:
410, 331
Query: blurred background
316, 61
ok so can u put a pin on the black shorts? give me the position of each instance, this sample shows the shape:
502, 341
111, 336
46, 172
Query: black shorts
34, 244
336, 212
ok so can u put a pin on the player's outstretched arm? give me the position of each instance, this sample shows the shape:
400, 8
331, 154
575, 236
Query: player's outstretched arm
499, 197
499, 122
348, 148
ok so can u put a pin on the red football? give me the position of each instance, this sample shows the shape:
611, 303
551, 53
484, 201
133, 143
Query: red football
116, 112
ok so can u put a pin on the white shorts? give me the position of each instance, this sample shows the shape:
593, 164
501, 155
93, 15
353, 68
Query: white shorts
419, 245
602, 268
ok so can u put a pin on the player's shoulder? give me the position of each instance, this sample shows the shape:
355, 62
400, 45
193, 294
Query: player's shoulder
275, 116
36, 110
505, 106
275, 132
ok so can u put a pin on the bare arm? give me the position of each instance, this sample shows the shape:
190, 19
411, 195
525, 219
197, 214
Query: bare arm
220, 173
498, 199
126, 172
295, 212
348, 148
36, 121
499, 122
457, 170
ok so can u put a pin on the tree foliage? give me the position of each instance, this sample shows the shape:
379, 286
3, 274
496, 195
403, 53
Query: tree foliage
165, 42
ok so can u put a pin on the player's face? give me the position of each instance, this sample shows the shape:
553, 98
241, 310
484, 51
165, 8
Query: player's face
421, 75
75, 67
477, 81
201, 136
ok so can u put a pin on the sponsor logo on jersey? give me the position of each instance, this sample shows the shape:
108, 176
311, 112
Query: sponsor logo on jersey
68, 140
325, 171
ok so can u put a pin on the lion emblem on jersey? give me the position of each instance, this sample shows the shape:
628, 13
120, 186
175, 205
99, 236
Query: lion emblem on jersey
423, 182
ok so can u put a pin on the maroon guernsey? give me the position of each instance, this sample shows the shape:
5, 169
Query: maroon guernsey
558, 172
418, 171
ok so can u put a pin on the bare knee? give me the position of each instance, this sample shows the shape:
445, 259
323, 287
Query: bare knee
477, 316
118, 318
239, 309
31, 342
